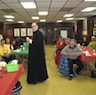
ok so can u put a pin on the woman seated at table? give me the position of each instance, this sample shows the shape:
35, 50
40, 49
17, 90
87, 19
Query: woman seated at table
19, 42
7, 41
14, 44
59, 46
5, 51
92, 43
73, 52
84, 42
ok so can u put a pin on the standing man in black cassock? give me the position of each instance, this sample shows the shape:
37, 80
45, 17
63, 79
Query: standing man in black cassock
37, 71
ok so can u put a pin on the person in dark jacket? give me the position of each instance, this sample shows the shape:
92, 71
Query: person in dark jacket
84, 41
37, 71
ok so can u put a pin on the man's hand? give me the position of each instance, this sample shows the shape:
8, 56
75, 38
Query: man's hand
28, 39
71, 54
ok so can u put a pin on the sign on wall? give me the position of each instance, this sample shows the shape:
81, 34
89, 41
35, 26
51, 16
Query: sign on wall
63, 33
16, 32
23, 32
29, 32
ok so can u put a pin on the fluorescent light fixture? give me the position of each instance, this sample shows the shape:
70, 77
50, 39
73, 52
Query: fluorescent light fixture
68, 15
28, 5
9, 20
88, 9
43, 20
69, 18
20, 21
59, 21
79, 18
9, 16
91, 0
43, 13
35, 18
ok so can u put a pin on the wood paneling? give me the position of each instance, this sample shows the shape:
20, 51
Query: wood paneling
79, 31
47, 29
1, 28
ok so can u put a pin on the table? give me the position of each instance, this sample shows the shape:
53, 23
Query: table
91, 57
24, 50
8, 81
19, 52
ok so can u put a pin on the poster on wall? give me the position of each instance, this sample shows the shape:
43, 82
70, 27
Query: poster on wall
94, 31
23, 32
16, 32
29, 32
63, 33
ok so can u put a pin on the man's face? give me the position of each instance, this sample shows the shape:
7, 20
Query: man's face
34, 27
72, 43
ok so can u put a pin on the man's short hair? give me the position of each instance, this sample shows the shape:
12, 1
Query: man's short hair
2, 40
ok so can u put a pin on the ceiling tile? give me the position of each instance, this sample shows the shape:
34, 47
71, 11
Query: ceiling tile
19, 10
60, 0
85, 4
94, 5
26, 0
43, 4
8, 10
57, 4
56, 9
75, 0
72, 4
3, 6
52, 9
9, 1
14, 5
43, 0
76, 10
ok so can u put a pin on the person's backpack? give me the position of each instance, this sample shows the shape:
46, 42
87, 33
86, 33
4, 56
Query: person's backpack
93, 73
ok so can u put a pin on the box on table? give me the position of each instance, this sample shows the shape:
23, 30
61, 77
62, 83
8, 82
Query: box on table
12, 67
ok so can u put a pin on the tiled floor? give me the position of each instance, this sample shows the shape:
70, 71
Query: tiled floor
57, 84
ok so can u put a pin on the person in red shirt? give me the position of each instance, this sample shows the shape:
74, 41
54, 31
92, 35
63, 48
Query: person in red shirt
59, 46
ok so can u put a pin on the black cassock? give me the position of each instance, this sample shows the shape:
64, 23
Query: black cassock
36, 60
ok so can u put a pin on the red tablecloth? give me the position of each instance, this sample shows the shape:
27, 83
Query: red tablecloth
92, 56
8, 81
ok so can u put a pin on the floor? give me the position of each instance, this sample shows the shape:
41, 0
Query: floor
57, 84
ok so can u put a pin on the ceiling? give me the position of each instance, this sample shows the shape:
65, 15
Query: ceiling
56, 9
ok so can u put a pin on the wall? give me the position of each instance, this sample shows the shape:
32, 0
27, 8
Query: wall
79, 31
46, 28
1, 28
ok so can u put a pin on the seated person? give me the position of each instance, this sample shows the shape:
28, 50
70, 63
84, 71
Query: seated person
73, 52
92, 43
19, 42
59, 46
7, 41
4, 51
14, 44
67, 41
84, 42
